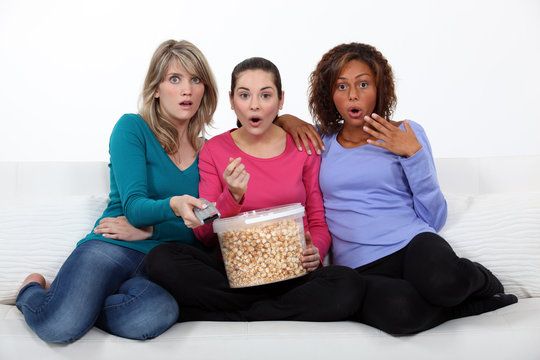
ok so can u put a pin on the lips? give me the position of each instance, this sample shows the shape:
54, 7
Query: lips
186, 104
255, 121
355, 112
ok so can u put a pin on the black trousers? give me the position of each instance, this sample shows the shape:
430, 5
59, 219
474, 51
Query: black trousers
199, 284
421, 286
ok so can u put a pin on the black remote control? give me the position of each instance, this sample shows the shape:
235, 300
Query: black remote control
208, 214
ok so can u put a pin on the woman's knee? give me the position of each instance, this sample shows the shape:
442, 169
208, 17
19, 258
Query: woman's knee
436, 271
346, 280
345, 288
140, 310
396, 315
161, 257
395, 306
449, 289
158, 261
448, 286
175, 265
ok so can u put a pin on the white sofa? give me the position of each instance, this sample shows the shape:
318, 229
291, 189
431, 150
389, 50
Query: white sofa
494, 218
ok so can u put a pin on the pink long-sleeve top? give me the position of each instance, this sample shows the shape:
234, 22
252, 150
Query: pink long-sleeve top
291, 177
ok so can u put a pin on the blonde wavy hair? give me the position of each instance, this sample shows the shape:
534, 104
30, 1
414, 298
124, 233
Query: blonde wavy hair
193, 60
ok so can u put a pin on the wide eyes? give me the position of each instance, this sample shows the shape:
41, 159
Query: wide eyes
245, 95
175, 79
361, 85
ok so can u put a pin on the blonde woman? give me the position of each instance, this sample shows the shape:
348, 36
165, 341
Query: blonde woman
154, 186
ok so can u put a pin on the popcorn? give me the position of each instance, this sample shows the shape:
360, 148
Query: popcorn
261, 252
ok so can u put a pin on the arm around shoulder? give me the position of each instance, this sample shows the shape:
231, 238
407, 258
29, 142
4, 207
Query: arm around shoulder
302, 132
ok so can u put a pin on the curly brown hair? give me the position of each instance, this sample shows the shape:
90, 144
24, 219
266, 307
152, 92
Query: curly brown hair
322, 83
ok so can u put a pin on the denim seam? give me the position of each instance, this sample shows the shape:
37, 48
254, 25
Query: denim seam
129, 301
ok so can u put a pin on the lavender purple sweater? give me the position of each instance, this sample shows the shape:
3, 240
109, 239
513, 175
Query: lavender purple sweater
377, 201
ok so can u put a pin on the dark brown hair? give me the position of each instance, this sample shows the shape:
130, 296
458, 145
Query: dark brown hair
322, 82
256, 63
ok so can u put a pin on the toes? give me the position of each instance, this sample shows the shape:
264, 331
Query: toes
38, 278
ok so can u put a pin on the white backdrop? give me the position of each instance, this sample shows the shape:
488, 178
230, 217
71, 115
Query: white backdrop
467, 70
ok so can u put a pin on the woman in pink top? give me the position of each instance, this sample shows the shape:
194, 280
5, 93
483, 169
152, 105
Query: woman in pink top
256, 166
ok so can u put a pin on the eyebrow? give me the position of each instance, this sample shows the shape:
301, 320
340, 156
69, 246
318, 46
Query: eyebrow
245, 88
356, 77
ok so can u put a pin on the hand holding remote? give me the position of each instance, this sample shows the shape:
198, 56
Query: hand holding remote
208, 214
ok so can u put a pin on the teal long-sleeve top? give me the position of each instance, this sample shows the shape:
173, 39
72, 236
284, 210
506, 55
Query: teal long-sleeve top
143, 179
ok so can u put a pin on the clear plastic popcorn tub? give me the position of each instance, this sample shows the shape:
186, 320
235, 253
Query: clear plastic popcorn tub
262, 246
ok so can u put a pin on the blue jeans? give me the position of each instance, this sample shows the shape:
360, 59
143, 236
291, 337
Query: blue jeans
100, 284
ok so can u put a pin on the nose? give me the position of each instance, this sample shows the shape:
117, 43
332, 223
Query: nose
353, 95
186, 89
254, 104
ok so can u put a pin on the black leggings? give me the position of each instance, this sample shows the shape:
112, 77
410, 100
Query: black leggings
199, 284
419, 287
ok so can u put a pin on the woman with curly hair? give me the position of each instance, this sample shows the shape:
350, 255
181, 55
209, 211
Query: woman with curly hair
382, 199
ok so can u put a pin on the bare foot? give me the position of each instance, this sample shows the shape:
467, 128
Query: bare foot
35, 277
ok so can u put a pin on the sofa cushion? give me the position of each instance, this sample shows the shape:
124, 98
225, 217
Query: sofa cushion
37, 236
501, 231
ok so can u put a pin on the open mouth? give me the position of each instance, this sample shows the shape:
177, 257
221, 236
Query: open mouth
255, 120
355, 112
186, 103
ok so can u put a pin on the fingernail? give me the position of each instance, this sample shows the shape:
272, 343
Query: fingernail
319, 152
